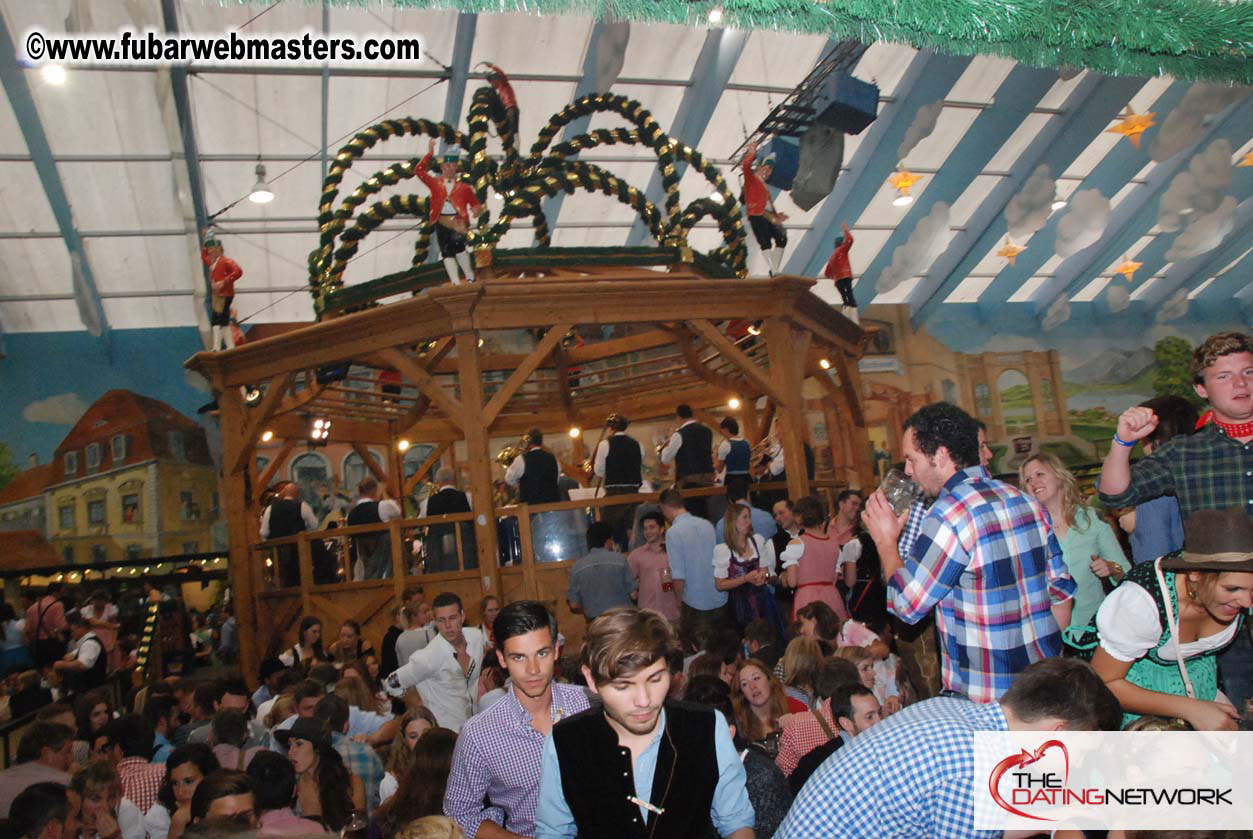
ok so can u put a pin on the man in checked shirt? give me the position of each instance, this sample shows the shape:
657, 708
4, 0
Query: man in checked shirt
986, 560
499, 752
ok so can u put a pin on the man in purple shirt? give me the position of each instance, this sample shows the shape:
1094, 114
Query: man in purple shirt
499, 752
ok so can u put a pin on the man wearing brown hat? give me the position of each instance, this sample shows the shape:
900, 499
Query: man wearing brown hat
1209, 470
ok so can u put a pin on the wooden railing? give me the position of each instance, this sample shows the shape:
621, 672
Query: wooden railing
518, 572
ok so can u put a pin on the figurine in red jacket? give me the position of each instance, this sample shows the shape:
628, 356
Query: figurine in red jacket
451, 202
767, 224
223, 274
838, 268
508, 99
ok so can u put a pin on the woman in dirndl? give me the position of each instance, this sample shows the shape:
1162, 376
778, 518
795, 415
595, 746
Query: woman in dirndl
743, 565
1160, 631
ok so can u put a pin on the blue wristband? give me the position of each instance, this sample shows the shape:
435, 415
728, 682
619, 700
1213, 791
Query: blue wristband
1120, 441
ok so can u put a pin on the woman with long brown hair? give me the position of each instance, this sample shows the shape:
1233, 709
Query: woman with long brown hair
759, 703
413, 725
421, 791
325, 788
810, 560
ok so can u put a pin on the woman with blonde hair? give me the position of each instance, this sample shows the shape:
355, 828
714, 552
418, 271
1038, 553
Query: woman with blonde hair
430, 827
801, 662
284, 706
759, 703
1089, 547
742, 566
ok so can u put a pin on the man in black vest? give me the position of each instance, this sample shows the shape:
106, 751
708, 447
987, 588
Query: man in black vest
287, 515
373, 549
535, 472
441, 546
85, 666
690, 449
619, 462
596, 765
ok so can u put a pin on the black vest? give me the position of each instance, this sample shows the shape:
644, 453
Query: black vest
447, 500
539, 480
738, 459
695, 456
622, 464
367, 512
79, 681
285, 518
597, 778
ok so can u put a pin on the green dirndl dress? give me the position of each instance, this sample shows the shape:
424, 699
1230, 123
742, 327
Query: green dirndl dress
1152, 672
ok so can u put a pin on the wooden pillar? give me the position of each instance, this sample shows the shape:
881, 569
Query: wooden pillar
469, 376
242, 529
785, 368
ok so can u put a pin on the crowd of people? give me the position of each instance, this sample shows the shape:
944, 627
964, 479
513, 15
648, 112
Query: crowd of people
751, 677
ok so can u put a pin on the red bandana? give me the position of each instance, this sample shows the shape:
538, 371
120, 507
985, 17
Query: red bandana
1235, 430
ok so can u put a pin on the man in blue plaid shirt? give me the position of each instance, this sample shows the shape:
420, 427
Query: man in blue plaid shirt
986, 560
928, 752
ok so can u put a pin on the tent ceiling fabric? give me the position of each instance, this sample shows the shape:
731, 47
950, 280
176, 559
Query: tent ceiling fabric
996, 123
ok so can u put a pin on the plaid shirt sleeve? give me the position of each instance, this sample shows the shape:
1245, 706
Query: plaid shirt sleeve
1062, 586
931, 569
834, 801
467, 789
1151, 477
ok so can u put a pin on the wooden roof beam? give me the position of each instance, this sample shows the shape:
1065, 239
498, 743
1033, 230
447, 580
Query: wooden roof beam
536, 357
416, 374
258, 417
736, 356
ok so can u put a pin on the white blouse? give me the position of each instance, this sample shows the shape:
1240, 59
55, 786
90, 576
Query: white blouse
1129, 627
722, 556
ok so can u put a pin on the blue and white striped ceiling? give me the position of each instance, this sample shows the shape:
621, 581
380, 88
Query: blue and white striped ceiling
116, 143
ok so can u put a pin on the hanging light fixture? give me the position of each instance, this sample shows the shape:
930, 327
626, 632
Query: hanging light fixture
261, 192
715, 15
53, 74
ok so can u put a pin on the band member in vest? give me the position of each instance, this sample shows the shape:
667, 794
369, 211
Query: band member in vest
735, 455
451, 202
287, 515
619, 462
690, 449
441, 539
638, 765
374, 550
776, 467
767, 223
86, 665
223, 274
534, 473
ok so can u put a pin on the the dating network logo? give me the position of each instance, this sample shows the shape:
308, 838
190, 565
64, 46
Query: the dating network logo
1029, 788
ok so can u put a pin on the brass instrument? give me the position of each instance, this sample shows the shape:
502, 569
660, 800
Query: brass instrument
589, 465
510, 453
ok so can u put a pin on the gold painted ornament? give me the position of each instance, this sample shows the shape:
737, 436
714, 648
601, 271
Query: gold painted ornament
1132, 126
1010, 250
1128, 269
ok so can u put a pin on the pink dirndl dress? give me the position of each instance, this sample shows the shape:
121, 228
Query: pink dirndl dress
815, 574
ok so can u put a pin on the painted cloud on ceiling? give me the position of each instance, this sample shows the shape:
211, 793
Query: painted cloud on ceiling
1058, 313
1199, 188
1174, 308
1185, 125
920, 129
1029, 210
1084, 223
919, 250
1118, 297
1205, 232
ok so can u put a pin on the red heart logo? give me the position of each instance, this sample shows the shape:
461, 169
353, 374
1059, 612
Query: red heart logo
1025, 758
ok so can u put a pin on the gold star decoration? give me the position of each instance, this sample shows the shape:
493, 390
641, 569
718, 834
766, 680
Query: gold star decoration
1132, 126
1128, 269
1010, 250
903, 180
1247, 160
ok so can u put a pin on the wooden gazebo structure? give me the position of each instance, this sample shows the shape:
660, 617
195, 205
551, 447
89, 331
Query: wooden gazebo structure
675, 349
